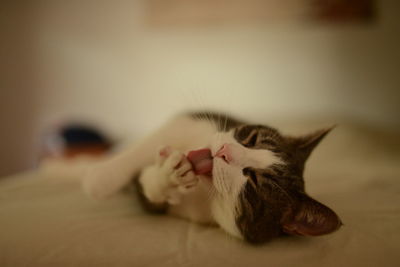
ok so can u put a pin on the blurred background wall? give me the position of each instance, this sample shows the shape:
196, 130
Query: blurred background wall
102, 61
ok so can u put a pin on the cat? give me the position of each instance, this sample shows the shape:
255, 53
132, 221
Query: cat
214, 169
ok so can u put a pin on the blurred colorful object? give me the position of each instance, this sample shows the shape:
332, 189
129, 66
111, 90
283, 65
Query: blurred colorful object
74, 140
189, 12
343, 10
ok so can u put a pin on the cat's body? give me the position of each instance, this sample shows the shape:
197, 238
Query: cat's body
213, 169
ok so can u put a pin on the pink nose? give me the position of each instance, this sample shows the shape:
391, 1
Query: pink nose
224, 153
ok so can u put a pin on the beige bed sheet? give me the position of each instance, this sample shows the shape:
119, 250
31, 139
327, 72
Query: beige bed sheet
45, 220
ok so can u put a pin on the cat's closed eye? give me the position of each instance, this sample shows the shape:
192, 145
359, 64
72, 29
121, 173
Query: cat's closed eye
251, 140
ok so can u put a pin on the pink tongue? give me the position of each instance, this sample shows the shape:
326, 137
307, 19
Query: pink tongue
201, 160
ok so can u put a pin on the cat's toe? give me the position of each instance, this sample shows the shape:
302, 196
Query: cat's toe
173, 162
183, 167
188, 180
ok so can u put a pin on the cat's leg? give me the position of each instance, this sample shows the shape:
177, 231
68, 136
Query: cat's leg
111, 175
114, 173
166, 180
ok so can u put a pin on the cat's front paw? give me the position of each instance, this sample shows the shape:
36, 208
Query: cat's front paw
177, 169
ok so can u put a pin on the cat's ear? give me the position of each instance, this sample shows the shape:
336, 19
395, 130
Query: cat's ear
311, 218
305, 144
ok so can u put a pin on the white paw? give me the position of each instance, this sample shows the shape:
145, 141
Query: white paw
178, 170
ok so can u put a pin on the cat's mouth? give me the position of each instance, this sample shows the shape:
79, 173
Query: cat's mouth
202, 161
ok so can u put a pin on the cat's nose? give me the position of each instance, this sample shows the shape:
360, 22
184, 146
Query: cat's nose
224, 153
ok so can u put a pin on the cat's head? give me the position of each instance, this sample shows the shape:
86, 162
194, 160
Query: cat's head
258, 179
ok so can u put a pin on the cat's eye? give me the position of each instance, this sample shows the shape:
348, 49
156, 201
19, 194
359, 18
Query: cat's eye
252, 140
251, 175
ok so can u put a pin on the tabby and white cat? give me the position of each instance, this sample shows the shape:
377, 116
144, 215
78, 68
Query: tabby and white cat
209, 168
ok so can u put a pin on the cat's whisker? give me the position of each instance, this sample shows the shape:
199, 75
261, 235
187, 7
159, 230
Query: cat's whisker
219, 182
224, 182
219, 121
230, 102
221, 178
210, 118
207, 112
202, 104
226, 121
199, 105
276, 185
210, 194
211, 188
222, 174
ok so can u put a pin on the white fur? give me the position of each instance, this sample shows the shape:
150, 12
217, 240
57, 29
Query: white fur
207, 202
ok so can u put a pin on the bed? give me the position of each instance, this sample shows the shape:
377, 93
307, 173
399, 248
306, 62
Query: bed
46, 220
